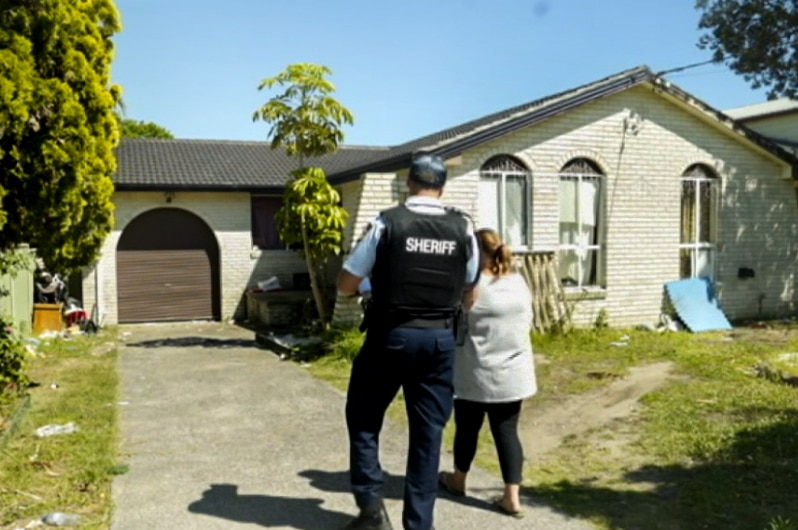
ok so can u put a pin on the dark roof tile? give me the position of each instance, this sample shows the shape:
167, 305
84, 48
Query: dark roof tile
217, 164
447, 141
213, 164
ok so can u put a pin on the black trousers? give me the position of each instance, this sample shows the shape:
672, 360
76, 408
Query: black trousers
503, 419
421, 362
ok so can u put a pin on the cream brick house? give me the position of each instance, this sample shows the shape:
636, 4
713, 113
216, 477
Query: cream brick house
193, 230
629, 180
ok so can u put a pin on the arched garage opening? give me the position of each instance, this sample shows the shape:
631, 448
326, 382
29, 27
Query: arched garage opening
167, 268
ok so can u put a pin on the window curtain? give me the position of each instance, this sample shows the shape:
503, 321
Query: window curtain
688, 228
698, 198
488, 207
511, 221
706, 195
514, 200
688, 211
579, 223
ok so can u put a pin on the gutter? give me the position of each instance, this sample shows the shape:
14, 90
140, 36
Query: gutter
393, 163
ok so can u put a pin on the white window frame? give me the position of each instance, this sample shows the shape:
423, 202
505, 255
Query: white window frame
501, 176
581, 248
695, 247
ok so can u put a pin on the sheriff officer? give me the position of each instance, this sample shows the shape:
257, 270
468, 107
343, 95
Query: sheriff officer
422, 259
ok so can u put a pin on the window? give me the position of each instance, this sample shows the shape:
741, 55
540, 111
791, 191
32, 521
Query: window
504, 199
580, 248
264, 226
698, 222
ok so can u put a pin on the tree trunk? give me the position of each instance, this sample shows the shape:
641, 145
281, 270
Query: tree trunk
314, 283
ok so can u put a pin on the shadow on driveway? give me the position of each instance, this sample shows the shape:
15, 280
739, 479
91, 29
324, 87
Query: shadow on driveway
393, 488
223, 501
192, 342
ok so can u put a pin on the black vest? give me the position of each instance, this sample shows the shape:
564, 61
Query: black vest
421, 263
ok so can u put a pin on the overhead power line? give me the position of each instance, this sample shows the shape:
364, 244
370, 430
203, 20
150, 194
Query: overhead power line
685, 67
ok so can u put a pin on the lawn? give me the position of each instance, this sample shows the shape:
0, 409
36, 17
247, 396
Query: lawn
74, 380
716, 447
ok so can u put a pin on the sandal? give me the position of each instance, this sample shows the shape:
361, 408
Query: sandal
499, 505
443, 481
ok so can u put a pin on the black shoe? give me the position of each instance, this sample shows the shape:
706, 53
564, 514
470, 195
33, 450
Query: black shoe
371, 519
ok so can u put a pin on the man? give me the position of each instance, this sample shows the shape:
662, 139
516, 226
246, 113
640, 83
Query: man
422, 259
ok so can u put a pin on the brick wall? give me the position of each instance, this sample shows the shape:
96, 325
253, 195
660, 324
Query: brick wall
228, 215
347, 311
643, 143
365, 198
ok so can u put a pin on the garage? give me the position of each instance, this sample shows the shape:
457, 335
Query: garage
167, 268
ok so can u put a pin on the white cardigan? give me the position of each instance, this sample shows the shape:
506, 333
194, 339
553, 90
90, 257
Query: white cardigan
495, 364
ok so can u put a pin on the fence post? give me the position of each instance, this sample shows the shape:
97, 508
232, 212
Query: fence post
539, 271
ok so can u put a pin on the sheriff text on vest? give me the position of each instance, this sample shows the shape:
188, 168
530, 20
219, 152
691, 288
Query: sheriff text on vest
430, 246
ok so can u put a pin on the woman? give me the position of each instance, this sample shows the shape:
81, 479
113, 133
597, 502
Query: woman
494, 372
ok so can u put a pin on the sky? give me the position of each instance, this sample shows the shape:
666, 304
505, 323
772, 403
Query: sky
405, 68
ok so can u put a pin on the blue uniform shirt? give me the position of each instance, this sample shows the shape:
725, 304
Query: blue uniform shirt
361, 260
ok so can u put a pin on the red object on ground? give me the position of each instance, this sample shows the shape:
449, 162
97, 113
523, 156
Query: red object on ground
75, 317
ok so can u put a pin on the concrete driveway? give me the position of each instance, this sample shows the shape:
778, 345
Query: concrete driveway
221, 434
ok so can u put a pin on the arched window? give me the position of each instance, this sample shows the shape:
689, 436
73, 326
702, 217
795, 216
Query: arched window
697, 245
504, 199
581, 231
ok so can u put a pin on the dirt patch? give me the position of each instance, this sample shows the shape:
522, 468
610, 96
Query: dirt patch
544, 428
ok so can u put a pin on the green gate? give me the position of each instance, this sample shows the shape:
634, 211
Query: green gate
16, 297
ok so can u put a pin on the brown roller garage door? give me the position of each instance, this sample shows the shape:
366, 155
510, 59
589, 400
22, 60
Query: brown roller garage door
167, 268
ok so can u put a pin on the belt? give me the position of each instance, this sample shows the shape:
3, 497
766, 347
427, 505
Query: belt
423, 323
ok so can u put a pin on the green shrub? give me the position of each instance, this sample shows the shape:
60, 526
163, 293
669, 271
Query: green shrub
13, 363
780, 523
336, 343
602, 319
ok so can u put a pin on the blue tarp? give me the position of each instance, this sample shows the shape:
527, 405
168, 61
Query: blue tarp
696, 305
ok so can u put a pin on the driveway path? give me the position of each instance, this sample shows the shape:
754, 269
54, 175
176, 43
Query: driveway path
221, 434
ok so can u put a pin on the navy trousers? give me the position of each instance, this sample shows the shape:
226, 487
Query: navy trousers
420, 361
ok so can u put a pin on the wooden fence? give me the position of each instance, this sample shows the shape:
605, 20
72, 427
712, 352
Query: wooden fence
539, 269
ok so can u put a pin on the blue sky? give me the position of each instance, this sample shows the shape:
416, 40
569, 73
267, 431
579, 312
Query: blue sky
405, 68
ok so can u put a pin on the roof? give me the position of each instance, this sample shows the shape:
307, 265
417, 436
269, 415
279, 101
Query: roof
163, 164
771, 145
209, 164
763, 110
452, 141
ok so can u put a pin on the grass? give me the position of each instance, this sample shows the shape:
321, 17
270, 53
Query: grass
75, 381
716, 447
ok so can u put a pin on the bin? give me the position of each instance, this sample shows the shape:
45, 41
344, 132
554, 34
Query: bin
47, 317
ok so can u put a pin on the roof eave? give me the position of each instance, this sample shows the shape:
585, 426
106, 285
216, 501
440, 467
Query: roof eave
728, 124
197, 187
393, 163
768, 115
